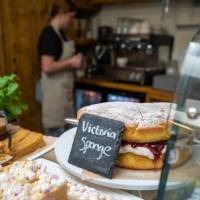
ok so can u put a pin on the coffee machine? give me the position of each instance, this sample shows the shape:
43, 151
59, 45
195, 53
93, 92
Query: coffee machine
142, 53
103, 54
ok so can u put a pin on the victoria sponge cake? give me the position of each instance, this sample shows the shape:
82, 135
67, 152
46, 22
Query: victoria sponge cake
145, 135
144, 122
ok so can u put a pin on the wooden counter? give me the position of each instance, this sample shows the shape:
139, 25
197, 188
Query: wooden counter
151, 94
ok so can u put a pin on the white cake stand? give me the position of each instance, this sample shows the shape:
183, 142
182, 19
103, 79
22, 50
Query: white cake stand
62, 151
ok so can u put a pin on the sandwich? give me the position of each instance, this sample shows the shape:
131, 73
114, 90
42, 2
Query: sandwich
145, 136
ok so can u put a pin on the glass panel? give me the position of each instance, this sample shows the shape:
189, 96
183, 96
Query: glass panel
180, 177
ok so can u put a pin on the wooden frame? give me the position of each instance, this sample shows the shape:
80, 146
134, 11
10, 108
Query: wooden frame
2, 45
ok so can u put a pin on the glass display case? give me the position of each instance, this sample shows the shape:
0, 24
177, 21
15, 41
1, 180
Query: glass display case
180, 176
89, 96
86, 97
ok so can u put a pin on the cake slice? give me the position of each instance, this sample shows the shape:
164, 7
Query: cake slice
24, 142
29, 180
18, 136
29, 144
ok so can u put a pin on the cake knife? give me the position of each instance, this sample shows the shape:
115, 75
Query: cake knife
72, 121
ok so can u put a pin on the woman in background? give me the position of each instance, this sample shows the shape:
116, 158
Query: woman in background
58, 61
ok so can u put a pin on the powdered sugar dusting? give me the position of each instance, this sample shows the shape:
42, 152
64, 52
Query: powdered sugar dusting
79, 191
140, 115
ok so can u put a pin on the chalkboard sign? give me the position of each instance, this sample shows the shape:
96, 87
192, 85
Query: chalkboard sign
96, 144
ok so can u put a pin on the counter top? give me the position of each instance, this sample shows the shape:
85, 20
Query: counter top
101, 82
151, 93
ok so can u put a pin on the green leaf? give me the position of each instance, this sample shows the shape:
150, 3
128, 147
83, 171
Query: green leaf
24, 106
15, 109
1, 94
12, 89
3, 82
10, 99
10, 116
12, 77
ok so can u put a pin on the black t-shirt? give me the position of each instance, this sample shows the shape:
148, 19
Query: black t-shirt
50, 43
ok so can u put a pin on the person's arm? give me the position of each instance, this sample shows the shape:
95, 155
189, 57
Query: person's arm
50, 65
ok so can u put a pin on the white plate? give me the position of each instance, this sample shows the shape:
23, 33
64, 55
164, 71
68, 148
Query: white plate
41, 153
5, 158
56, 169
62, 151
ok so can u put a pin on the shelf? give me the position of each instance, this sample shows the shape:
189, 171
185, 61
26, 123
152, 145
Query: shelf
159, 95
115, 2
100, 82
85, 9
85, 42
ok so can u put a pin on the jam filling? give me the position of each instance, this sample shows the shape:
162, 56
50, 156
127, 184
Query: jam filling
155, 147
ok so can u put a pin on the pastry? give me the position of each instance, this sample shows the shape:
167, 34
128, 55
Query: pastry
79, 191
28, 145
29, 180
23, 142
4, 153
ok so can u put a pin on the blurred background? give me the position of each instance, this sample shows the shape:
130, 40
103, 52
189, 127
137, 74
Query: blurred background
133, 48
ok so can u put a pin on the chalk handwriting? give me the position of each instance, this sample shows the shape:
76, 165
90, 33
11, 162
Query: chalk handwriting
103, 150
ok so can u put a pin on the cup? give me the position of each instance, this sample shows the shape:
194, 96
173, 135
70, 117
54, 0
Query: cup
122, 61
81, 72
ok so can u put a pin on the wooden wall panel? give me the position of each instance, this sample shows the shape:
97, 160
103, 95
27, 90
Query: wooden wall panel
22, 22
38, 19
2, 55
9, 35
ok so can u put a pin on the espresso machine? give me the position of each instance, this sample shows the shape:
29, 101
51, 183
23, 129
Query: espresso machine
103, 51
142, 53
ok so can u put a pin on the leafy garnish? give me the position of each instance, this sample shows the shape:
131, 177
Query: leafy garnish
10, 97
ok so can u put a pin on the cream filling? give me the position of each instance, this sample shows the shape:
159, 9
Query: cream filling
140, 151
